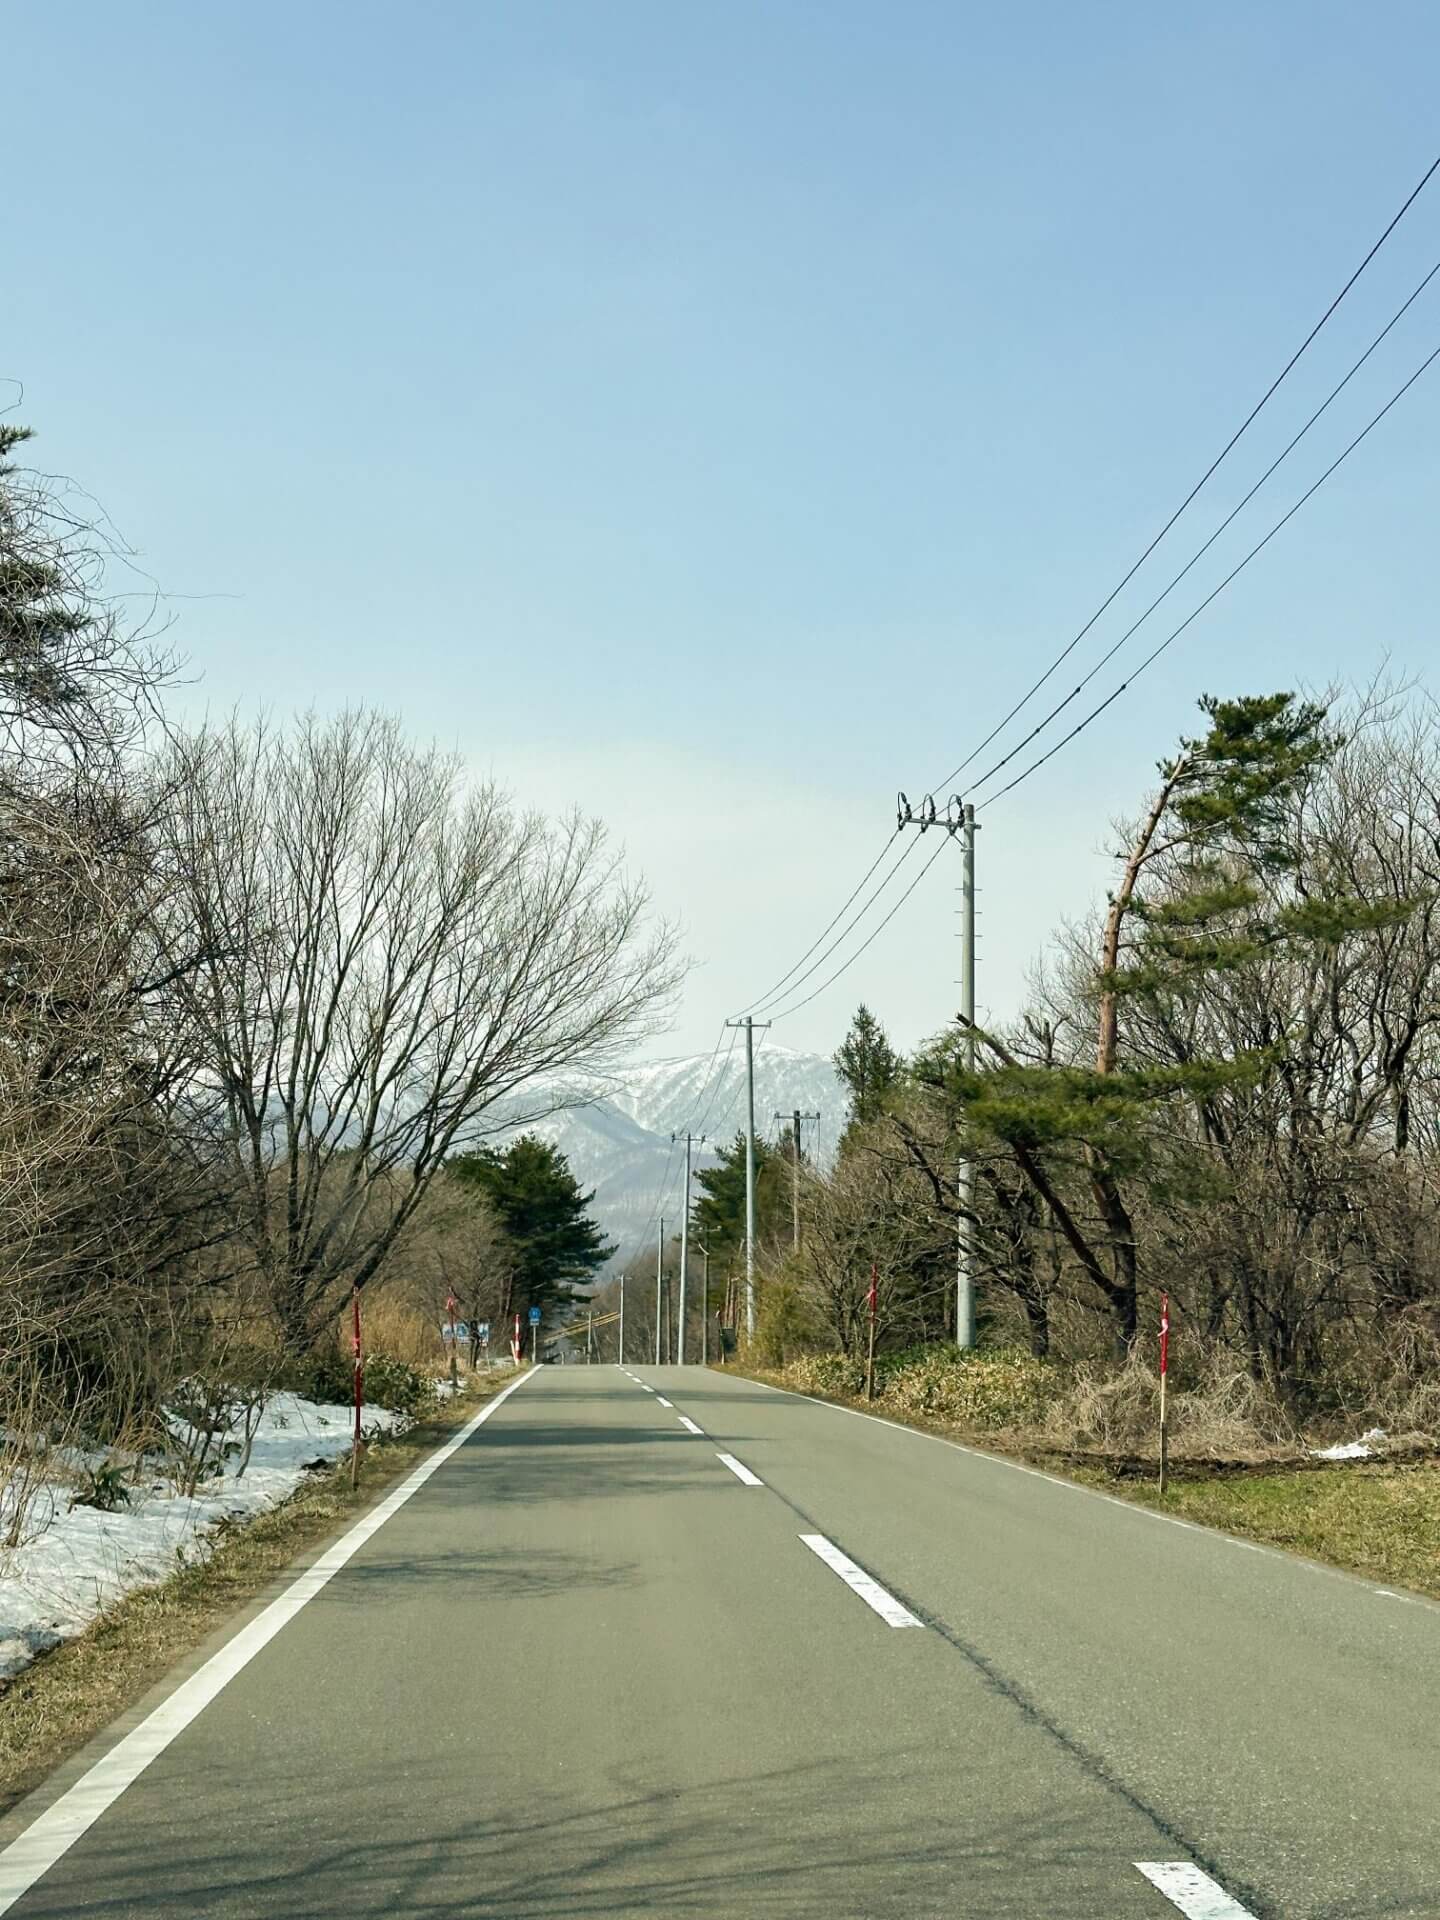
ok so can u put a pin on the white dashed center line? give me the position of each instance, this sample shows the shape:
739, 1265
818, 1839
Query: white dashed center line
663, 1401
1193, 1892
691, 1425
740, 1472
858, 1581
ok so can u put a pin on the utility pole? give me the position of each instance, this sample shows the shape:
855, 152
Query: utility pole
659, 1282
691, 1140
965, 1226
795, 1118
749, 1025
959, 822
620, 1348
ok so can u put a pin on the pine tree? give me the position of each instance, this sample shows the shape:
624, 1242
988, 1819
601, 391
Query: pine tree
541, 1207
717, 1218
869, 1067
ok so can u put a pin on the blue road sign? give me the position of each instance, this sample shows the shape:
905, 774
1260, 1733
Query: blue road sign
482, 1330
534, 1316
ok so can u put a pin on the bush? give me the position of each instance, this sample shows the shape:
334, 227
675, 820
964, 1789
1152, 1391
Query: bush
826, 1373
398, 1386
983, 1390
980, 1389
103, 1487
390, 1383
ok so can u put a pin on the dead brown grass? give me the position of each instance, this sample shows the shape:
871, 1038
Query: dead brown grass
67, 1696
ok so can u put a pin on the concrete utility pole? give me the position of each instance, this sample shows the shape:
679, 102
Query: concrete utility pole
749, 1025
659, 1282
691, 1140
965, 1238
959, 821
620, 1349
795, 1118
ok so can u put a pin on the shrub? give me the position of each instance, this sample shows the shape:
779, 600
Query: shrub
980, 1389
398, 1386
103, 1487
389, 1382
826, 1373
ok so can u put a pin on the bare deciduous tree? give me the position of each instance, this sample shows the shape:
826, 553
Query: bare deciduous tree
387, 964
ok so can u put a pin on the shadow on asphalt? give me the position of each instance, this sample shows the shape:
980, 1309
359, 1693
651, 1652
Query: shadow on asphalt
516, 1573
886, 1837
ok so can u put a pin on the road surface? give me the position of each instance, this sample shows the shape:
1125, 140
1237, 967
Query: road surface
666, 1642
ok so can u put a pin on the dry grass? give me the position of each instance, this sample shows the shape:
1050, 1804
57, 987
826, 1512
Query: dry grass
57, 1704
1380, 1520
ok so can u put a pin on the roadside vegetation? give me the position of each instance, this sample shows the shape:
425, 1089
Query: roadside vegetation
278, 1004
1223, 1089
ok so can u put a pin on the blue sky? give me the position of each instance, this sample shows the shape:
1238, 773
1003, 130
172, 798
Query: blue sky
713, 414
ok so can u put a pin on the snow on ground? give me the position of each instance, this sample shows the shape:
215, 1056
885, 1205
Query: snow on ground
75, 1562
1362, 1449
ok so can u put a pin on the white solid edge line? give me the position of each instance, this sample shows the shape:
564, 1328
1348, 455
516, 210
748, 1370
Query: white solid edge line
740, 1471
685, 1421
855, 1577
1193, 1892
55, 1831
1092, 1493
663, 1401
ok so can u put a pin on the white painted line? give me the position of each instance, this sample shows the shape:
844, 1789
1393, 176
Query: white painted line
858, 1581
56, 1830
663, 1401
740, 1472
691, 1425
1193, 1892
644, 1388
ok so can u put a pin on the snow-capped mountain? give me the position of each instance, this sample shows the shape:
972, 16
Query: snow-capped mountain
619, 1142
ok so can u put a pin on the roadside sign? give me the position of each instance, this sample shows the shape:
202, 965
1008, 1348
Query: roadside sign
482, 1332
462, 1331
534, 1316
447, 1331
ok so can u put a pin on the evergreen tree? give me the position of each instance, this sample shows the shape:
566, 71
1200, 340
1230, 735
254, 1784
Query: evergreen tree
870, 1068
542, 1209
718, 1215
1201, 894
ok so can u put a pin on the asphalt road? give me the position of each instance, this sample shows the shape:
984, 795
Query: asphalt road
589, 1668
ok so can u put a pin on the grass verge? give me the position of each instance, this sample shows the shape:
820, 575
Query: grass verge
1380, 1519
1372, 1518
68, 1695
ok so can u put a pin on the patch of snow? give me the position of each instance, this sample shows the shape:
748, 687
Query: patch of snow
1362, 1449
77, 1561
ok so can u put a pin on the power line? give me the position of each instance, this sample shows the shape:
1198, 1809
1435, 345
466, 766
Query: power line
1199, 554
1264, 399
874, 934
1240, 566
772, 992
850, 925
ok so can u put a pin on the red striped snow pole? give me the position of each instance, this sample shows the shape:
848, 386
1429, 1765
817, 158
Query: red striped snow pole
870, 1350
1164, 1381
359, 1384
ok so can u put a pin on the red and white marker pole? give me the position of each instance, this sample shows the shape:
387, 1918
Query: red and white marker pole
359, 1382
450, 1305
1164, 1382
870, 1301
515, 1341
